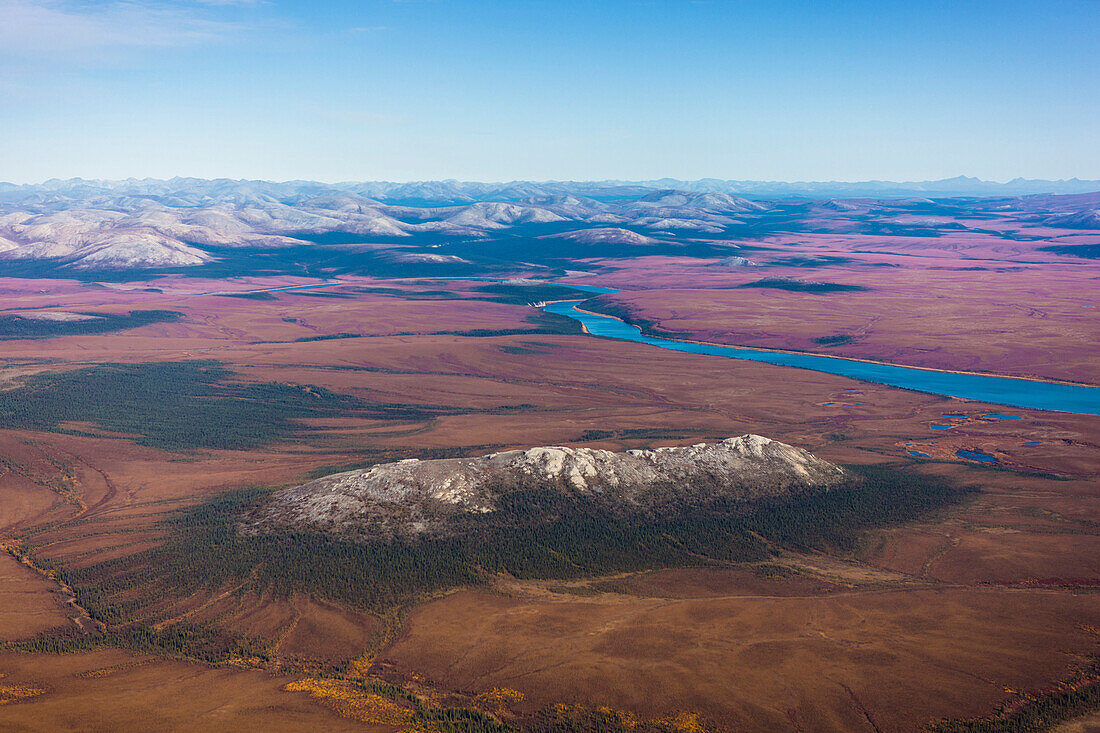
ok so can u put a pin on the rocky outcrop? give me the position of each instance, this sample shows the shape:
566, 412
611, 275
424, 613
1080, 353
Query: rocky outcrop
737, 262
606, 235
412, 498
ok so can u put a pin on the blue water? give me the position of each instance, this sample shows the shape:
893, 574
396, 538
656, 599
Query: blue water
999, 416
275, 290
588, 288
918, 453
1078, 399
956, 415
296, 287
582, 288
854, 404
976, 456
1033, 442
937, 426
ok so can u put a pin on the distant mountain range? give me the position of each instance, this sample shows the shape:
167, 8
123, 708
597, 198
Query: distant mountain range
198, 191
81, 225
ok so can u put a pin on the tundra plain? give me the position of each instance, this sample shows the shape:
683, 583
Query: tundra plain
943, 617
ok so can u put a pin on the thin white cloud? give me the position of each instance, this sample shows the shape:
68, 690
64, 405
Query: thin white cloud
51, 27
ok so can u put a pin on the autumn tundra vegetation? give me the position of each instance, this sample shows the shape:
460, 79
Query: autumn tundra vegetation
165, 424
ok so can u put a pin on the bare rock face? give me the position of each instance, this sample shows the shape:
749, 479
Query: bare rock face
607, 235
737, 262
412, 497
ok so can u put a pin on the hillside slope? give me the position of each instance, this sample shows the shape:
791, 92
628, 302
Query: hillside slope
415, 498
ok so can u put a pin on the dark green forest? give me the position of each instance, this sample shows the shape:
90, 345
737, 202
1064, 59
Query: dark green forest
535, 533
802, 286
14, 326
180, 405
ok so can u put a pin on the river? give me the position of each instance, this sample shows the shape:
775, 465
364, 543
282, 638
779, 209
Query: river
1079, 399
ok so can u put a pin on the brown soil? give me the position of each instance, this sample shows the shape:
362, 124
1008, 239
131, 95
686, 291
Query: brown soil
29, 603
107, 691
849, 660
929, 620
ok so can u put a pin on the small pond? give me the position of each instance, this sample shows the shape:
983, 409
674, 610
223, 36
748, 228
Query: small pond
976, 456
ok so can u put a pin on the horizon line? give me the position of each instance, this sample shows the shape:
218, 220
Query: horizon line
608, 181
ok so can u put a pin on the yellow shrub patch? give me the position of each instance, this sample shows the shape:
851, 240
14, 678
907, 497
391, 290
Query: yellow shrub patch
500, 697
360, 666
92, 674
686, 722
350, 701
16, 693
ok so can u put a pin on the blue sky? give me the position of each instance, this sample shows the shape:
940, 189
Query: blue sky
534, 89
